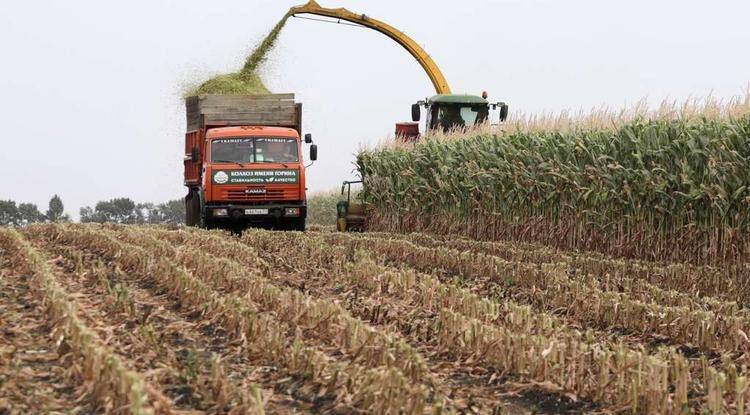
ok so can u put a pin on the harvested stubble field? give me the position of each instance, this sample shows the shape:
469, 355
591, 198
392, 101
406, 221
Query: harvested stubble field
141, 320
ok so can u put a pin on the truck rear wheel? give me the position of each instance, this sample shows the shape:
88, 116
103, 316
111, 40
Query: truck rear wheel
192, 209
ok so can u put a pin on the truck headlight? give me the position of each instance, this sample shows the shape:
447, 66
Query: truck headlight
291, 212
220, 212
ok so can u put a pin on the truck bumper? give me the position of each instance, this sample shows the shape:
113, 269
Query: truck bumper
255, 213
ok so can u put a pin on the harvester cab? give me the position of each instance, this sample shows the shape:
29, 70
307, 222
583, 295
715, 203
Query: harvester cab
446, 112
350, 216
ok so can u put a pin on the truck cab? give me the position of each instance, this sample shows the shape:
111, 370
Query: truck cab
242, 175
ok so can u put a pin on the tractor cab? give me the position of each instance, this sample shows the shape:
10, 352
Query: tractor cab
350, 216
446, 112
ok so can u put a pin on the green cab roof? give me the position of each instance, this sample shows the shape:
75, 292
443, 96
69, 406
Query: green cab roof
456, 99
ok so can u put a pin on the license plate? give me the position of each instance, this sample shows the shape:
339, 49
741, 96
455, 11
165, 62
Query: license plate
256, 211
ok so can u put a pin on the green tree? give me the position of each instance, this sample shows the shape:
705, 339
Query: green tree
9, 214
87, 215
126, 211
171, 213
145, 211
56, 210
29, 213
118, 210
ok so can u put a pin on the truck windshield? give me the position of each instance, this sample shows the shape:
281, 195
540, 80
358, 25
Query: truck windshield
254, 150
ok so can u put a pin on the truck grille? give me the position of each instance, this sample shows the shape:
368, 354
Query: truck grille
246, 194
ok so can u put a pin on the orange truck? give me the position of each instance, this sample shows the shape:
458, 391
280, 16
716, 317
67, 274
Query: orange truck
244, 162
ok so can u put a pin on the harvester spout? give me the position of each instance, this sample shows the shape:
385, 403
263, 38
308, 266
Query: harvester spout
429, 66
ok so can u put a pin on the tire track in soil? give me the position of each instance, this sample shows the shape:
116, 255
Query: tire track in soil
35, 372
171, 346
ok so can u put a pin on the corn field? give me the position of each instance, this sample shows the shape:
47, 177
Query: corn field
156, 320
668, 185
321, 207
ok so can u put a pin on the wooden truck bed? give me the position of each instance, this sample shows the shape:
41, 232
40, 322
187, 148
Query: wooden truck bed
262, 110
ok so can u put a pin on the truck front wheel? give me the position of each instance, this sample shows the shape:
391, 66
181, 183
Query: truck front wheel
297, 225
207, 223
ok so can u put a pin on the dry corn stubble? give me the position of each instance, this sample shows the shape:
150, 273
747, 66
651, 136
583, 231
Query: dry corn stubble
36, 373
235, 284
457, 299
166, 347
638, 279
550, 287
435, 298
700, 283
350, 383
113, 384
368, 346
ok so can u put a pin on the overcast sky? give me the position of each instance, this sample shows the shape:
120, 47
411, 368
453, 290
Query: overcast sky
91, 106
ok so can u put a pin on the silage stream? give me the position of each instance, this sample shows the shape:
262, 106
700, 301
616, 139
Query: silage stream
245, 81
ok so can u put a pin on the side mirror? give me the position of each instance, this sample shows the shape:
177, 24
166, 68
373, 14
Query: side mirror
313, 152
308, 138
415, 112
503, 112
194, 155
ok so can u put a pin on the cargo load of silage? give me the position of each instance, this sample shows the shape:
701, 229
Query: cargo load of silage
246, 81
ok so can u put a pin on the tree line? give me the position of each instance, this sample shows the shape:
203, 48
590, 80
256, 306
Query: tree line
118, 210
26, 213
